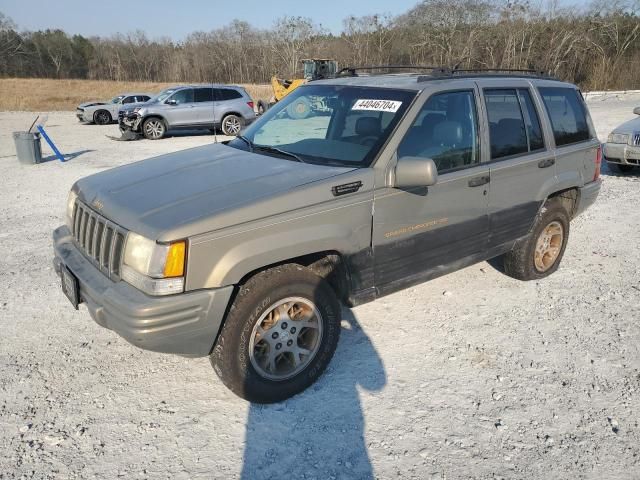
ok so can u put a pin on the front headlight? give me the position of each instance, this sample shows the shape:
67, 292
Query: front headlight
154, 268
618, 138
71, 203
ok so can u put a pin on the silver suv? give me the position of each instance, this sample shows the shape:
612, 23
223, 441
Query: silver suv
245, 251
225, 107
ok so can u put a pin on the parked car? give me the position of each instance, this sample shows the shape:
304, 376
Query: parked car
244, 251
622, 150
103, 113
224, 107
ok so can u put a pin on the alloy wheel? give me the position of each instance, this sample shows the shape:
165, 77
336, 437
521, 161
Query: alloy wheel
285, 338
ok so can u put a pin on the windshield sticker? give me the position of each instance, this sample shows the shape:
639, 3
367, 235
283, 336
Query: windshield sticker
377, 105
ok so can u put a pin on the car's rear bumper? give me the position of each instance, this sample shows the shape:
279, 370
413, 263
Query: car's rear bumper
622, 153
185, 324
588, 195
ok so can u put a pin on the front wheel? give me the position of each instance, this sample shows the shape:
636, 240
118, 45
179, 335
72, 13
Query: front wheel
153, 129
280, 334
231, 125
102, 117
539, 255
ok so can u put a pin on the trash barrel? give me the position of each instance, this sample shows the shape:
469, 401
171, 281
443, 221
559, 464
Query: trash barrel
28, 147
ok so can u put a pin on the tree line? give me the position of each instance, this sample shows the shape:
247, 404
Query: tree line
597, 46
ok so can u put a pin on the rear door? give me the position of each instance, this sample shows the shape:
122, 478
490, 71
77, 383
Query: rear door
420, 233
204, 104
183, 112
522, 165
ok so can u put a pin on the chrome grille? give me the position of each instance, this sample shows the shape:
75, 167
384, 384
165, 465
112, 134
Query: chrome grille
636, 139
100, 240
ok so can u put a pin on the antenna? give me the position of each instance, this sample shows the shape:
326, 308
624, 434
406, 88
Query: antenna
213, 109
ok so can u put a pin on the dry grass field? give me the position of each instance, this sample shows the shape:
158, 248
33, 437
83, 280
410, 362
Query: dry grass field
34, 94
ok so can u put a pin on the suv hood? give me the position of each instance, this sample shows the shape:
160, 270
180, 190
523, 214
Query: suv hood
630, 126
181, 194
91, 104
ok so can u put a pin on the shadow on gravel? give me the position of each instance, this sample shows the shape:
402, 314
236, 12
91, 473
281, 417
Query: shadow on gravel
67, 156
319, 433
612, 171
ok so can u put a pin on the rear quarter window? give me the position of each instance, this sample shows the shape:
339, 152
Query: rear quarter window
567, 113
228, 94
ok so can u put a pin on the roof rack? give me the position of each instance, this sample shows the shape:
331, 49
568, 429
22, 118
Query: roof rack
353, 71
440, 72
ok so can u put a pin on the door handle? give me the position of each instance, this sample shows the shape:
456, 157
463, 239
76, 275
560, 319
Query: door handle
546, 163
479, 181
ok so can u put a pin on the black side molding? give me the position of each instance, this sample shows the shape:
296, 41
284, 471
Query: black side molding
346, 188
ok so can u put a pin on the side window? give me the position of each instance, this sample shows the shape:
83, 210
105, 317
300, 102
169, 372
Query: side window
204, 95
183, 96
445, 130
531, 120
229, 94
143, 98
507, 134
129, 100
567, 114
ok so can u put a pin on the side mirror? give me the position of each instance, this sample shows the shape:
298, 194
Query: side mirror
416, 172
171, 102
636, 110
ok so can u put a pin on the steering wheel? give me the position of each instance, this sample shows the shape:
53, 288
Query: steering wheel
369, 141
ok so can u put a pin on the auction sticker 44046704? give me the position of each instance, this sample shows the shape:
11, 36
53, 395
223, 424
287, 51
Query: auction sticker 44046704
377, 105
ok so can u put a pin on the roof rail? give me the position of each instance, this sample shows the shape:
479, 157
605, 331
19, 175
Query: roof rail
441, 71
353, 71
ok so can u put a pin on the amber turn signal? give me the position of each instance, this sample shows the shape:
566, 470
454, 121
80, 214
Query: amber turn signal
174, 266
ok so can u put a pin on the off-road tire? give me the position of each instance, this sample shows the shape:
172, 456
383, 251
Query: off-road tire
158, 132
102, 117
262, 107
519, 263
299, 109
231, 357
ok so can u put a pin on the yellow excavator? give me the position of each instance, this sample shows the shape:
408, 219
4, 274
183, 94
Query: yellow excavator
313, 69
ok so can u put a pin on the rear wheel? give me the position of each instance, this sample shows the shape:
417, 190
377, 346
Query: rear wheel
102, 117
153, 128
231, 125
539, 255
279, 336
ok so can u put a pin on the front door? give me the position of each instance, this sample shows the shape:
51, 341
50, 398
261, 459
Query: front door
421, 233
183, 111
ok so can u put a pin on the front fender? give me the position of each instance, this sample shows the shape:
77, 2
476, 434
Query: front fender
226, 260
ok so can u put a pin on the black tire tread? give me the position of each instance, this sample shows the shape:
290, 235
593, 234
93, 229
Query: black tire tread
518, 263
228, 360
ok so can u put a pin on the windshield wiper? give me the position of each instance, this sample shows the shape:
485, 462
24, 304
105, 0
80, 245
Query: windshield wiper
269, 148
247, 141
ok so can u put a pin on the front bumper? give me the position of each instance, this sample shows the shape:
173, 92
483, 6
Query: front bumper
622, 153
588, 195
185, 324
130, 122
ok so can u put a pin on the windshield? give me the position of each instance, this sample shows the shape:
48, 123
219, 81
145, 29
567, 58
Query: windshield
328, 124
163, 95
116, 99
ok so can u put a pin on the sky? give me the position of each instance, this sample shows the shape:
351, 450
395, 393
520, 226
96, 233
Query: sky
176, 19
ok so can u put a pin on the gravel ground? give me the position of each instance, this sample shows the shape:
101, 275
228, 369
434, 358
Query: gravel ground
472, 375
